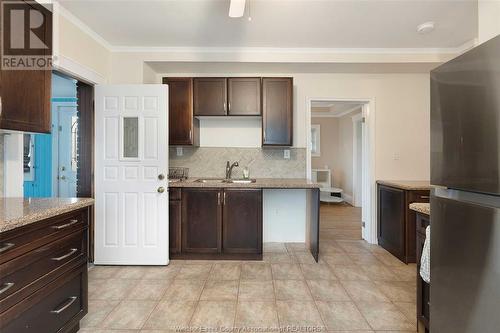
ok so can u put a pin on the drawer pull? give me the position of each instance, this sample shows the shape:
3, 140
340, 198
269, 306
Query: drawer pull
65, 256
6, 246
6, 286
66, 305
424, 197
62, 226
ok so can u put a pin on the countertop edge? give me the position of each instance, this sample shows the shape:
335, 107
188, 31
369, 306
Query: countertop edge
412, 185
421, 207
47, 213
285, 183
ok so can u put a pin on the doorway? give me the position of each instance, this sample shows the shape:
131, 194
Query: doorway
52, 161
338, 138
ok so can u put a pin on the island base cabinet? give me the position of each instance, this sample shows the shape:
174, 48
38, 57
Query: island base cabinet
57, 308
242, 221
201, 220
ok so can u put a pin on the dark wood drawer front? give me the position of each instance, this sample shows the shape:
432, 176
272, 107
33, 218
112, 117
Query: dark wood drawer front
16, 242
174, 193
54, 306
418, 196
25, 274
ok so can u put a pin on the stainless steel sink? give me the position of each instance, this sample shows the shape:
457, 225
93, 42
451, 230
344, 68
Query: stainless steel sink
241, 181
210, 180
220, 180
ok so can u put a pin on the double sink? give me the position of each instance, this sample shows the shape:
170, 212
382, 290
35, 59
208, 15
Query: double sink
221, 180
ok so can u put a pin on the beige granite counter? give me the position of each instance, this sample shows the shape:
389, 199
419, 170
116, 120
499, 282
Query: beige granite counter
421, 207
17, 212
265, 183
412, 185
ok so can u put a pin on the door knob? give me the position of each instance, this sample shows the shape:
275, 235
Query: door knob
161, 176
161, 189
63, 177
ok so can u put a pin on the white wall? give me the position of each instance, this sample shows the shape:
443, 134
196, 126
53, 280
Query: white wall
13, 165
231, 132
489, 19
284, 215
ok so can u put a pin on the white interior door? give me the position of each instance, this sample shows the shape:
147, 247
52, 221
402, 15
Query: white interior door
131, 152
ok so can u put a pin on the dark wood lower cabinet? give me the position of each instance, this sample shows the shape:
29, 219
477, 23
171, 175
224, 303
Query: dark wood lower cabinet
43, 275
201, 220
174, 221
396, 221
217, 223
423, 288
242, 221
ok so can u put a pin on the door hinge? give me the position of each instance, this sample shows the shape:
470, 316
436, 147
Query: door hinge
363, 120
60, 128
363, 224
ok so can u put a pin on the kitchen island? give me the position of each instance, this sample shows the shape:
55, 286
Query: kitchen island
221, 220
43, 264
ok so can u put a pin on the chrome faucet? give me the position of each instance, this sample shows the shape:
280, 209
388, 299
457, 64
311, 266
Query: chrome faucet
229, 169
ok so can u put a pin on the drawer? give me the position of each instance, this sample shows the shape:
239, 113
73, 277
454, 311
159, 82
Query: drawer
174, 193
422, 223
51, 308
25, 274
17, 242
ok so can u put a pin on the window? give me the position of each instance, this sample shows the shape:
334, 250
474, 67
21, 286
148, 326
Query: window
29, 157
130, 137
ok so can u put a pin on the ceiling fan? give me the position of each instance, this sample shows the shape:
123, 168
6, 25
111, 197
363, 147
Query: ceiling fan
237, 8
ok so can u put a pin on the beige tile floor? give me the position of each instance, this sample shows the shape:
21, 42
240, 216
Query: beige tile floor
356, 287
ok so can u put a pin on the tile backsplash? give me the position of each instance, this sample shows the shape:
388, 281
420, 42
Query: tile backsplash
262, 162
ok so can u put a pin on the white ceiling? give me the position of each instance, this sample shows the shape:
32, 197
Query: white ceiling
279, 23
333, 108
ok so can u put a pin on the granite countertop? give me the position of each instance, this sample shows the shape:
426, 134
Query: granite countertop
407, 184
18, 212
269, 183
421, 207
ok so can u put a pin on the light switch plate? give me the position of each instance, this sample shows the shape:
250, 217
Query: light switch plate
286, 154
180, 152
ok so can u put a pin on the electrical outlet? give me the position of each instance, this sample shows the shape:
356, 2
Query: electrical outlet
396, 156
286, 154
180, 151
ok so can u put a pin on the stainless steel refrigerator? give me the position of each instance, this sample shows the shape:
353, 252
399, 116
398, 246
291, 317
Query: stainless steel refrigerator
465, 205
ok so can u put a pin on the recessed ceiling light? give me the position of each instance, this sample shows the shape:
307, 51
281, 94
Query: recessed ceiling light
425, 28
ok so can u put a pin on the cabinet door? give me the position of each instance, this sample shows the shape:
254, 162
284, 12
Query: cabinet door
25, 94
174, 222
201, 220
277, 112
210, 96
244, 96
182, 130
242, 221
391, 220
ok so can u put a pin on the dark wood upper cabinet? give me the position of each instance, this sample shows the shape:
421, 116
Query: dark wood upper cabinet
210, 96
183, 127
242, 221
25, 94
244, 96
277, 111
201, 220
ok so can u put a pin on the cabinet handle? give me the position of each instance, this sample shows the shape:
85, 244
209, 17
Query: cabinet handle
225, 109
424, 197
6, 246
229, 106
6, 286
224, 200
66, 305
62, 226
65, 256
218, 198
190, 134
